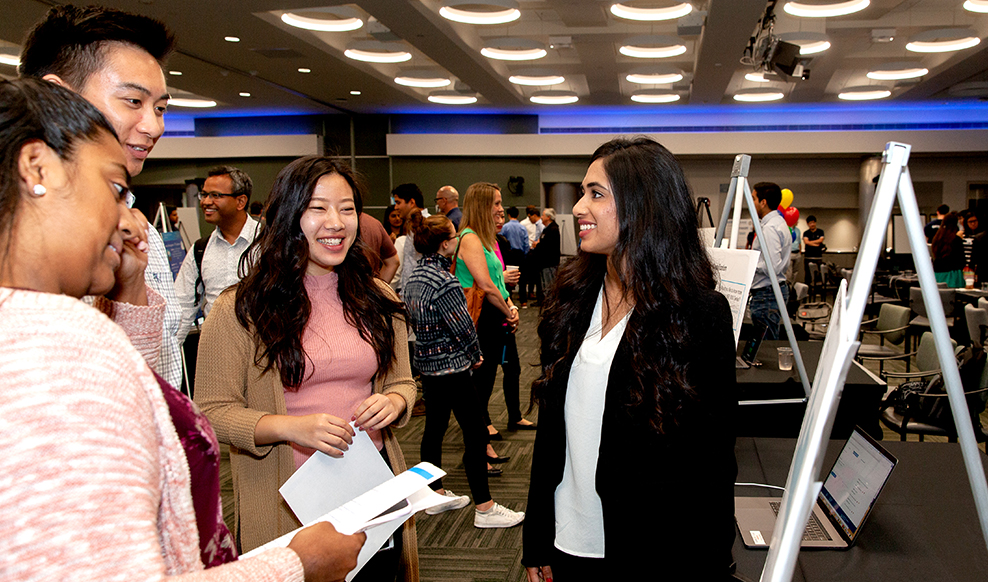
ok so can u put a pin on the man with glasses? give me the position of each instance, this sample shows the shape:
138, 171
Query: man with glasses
213, 263
448, 202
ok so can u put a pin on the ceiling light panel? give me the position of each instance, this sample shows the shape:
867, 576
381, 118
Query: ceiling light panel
372, 51
451, 98
654, 96
864, 93
423, 79
655, 75
629, 12
759, 95
979, 6
324, 19
554, 97
493, 12
830, 9
897, 72
653, 47
513, 49
943, 40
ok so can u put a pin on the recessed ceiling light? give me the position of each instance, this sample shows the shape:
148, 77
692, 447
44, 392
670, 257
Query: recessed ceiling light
653, 47
825, 10
304, 70
334, 24
175, 73
943, 40
513, 49
536, 78
424, 80
231, 39
810, 43
451, 98
759, 77
11, 60
654, 96
508, 11
897, 71
980, 6
554, 97
372, 51
183, 102
864, 93
758, 95
655, 75
355, 92
245, 94
651, 14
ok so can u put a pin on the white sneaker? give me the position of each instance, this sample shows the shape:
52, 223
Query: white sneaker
455, 502
497, 516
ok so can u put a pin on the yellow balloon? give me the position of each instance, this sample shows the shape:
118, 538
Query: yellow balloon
786, 197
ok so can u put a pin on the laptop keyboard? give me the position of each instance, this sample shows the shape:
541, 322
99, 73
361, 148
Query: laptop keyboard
814, 529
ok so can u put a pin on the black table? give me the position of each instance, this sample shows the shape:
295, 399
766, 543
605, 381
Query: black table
859, 403
923, 527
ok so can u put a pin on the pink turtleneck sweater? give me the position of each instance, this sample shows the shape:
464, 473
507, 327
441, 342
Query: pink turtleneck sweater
340, 367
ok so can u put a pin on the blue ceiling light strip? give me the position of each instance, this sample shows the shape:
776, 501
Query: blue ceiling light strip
768, 128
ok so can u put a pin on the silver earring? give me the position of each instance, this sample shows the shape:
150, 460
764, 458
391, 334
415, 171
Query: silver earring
39, 190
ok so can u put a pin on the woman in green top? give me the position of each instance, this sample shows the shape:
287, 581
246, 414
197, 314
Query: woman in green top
478, 264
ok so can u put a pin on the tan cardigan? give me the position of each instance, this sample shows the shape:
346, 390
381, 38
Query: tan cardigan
234, 394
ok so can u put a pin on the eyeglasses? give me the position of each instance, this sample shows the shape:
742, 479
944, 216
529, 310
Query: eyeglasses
216, 195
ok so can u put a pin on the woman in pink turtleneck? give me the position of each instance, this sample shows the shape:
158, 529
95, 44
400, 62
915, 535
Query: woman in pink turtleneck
307, 343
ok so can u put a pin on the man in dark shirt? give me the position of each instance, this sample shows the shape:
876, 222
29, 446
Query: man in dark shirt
930, 230
813, 247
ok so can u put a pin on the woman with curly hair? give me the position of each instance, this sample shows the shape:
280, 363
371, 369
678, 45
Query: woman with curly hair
637, 395
308, 342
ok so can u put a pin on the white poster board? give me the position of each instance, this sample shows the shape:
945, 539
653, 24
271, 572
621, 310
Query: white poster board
188, 225
567, 234
744, 227
734, 270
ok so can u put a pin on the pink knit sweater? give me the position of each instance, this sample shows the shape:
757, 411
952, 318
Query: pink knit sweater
93, 479
340, 367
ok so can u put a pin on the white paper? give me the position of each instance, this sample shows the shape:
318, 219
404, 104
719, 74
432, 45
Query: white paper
323, 483
734, 270
361, 512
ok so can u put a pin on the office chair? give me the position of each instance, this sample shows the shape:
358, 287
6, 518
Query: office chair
921, 323
890, 325
975, 396
977, 324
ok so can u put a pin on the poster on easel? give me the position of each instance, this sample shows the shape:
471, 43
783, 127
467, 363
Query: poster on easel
734, 270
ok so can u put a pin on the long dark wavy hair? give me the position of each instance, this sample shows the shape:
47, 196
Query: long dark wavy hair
272, 302
662, 267
944, 238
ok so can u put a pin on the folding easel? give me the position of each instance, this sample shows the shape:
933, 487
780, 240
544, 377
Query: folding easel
895, 183
701, 204
739, 180
803, 484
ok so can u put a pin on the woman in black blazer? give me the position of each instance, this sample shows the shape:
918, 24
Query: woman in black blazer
634, 463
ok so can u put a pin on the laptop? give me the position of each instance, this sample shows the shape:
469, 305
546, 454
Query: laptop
861, 471
750, 350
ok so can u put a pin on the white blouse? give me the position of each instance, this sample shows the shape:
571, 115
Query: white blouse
579, 516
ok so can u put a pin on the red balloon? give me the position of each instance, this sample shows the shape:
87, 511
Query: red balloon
791, 215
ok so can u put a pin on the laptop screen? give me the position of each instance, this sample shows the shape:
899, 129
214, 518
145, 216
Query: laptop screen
855, 480
750, 350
